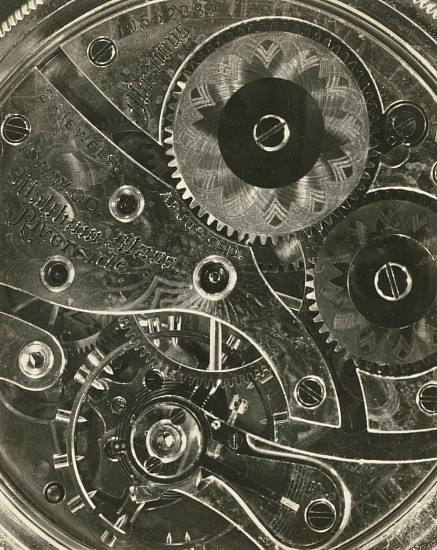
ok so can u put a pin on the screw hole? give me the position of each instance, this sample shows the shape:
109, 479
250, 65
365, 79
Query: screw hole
57, 274
153, 380
35, 359
214, 278
126, 204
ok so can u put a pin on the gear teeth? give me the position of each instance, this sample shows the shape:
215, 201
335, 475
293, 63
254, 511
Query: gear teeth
180, 374
230, 231
169, 140
170, 117
324, 330
312, 296
87, 345
374, 196
370, 94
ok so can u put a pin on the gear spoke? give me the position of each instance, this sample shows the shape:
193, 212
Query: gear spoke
215, 347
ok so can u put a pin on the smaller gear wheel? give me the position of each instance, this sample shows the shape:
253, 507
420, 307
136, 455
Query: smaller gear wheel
273, 129
374, 284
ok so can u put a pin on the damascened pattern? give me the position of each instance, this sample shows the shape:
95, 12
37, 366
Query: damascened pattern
216, 188
412, 337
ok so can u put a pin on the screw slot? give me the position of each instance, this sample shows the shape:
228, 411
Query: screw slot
178, 417
102, 52
57, 274
35, 359
118, 404
408, 122
15, 129
427, 399
153, 465
320, 515
310, 392
271, 133
393, 282
126, 204
235, 441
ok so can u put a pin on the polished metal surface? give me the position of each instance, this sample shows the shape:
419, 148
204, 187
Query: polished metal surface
218, 275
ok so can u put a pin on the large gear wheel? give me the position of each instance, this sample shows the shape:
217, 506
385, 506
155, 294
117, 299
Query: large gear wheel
273, 129
374, 282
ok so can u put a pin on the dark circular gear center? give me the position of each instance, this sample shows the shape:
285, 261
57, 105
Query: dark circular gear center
57, 274
393, 281
127, 204
271, 133
214, 278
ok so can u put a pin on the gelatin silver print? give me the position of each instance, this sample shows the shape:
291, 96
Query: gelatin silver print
218, 278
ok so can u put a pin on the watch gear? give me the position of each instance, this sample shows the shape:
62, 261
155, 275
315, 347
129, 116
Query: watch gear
158, 443
374, 282
201, 350
273, 129
127, 397
286, 255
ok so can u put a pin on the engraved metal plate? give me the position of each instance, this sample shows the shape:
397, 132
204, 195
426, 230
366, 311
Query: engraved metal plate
218, 280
